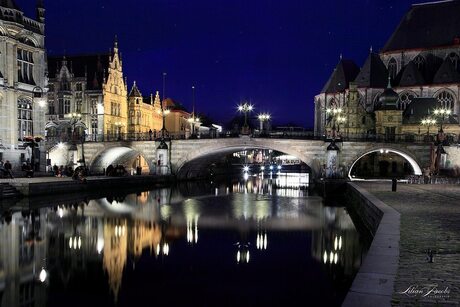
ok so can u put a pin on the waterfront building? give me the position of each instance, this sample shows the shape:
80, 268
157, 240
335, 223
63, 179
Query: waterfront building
22, 85
87, 96
422, 60
176, 122
144, 114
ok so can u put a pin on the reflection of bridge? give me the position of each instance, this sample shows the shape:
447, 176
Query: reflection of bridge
190, 158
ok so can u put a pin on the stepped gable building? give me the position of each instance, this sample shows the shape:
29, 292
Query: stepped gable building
144, 114
422, 60
22, 84
90, 88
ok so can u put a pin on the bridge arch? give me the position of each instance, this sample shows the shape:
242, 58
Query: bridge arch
192, 163
127, 156
387, 149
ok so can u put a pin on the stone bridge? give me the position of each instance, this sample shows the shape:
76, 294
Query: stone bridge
190, 158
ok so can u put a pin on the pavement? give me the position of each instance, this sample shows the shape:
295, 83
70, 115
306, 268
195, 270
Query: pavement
430, 225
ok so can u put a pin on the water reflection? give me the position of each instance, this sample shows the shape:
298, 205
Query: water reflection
45, 250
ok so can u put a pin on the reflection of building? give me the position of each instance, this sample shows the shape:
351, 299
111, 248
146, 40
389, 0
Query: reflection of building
91, 85
22, 257
422, 61
337, 245
22, 73
115, 252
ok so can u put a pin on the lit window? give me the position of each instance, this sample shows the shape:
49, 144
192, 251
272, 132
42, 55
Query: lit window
446, 99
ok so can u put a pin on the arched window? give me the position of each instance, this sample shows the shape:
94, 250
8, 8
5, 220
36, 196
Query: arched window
392, 68
332, 103
25, 122
405, 99
419, 61
446, 99
453, 57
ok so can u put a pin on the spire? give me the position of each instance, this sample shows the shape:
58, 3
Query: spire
115, 45
64, 61
340, 57
135, 91
389, 81
157, 99
370, 49
40, 11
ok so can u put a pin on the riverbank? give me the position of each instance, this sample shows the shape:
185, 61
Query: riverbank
430, 216
31, 187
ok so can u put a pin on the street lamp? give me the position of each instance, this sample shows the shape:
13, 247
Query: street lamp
262, 118
163, 112
442, 113
428, 122
74, 119
336, 115
194, 121
245, 108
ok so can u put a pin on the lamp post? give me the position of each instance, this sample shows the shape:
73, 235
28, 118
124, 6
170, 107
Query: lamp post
245, 108
336, 116
442, 112
263, 117
74, 119
163, 112
428, 122
194, 121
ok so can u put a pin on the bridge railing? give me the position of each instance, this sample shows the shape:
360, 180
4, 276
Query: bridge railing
301, 135
377, 138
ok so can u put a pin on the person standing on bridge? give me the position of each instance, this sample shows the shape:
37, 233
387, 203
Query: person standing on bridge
150, 134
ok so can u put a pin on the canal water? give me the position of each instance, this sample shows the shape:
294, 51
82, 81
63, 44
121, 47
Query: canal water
259, 241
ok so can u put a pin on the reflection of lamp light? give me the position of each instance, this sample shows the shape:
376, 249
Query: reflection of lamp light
42, 276
261, 241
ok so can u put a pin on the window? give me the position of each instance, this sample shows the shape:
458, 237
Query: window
404, 100
78, 87
94, 106
419, 61
392, 68
50, 87
51, 110
66, 106
25, 122
25, 66
446, 99
138, 118
61, 106
454, 59
78, 104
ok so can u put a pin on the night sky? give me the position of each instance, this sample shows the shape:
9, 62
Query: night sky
276, 54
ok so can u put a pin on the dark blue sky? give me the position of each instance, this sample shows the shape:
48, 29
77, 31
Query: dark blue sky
277, 54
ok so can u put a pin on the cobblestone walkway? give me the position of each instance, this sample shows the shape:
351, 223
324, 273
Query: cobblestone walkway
430, 220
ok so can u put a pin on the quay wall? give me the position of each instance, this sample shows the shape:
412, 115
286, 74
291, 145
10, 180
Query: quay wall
50, 187
374, 283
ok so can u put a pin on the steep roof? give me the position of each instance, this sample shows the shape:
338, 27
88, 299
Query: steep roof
374, 73
447, 73
345, 72
135, 91
411, 76
11, 4
95, 67
427, 25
